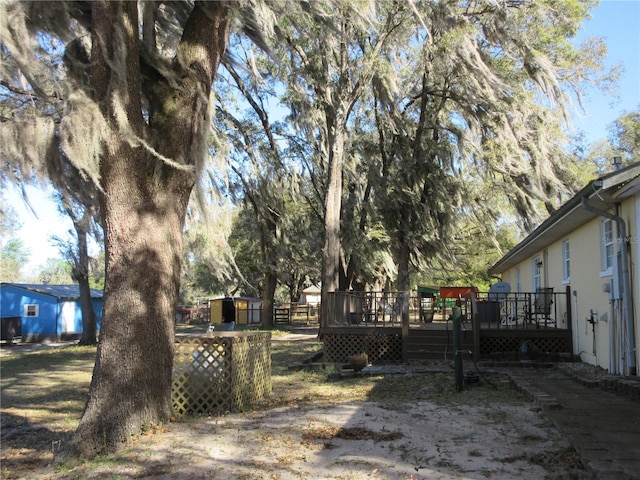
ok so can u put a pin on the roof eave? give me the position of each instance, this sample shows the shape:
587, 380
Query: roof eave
602, 193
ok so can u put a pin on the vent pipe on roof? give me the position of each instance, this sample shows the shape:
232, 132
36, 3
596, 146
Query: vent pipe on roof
623, 275
617, 163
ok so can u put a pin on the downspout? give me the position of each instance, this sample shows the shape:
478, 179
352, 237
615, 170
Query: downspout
577, 329
624, 281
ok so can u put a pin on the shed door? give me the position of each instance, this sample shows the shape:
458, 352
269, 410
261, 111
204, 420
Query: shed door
68, 317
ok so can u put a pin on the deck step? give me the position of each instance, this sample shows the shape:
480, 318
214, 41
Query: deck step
434, 344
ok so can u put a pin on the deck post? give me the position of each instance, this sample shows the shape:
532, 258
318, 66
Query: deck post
405, 325
457, 354
569, 313
475, 323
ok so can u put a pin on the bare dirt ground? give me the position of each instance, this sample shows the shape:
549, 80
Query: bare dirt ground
408, 427
350, 441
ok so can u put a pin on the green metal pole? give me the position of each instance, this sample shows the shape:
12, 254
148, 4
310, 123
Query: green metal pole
457, 336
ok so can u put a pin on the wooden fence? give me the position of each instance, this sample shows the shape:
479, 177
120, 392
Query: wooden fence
296, 313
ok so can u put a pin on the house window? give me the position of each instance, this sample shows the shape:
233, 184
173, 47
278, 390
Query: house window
566, 262
31, 310
518, 280
537, 273
606, 246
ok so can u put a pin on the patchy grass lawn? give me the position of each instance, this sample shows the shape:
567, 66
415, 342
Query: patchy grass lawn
43, 393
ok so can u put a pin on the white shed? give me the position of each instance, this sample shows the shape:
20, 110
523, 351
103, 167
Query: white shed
311, 295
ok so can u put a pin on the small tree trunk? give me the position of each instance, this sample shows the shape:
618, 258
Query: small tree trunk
269, 289
89, 319
404, 253
81, 275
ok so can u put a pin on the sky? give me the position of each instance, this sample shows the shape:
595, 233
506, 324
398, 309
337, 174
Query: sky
617, 21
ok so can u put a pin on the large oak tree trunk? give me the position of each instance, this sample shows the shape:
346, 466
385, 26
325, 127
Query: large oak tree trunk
131, 385
332, 208
147, 174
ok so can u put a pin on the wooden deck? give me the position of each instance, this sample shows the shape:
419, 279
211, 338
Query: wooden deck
495, 333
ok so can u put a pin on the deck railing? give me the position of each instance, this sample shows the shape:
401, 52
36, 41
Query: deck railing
353, 308
544, 308
525, 310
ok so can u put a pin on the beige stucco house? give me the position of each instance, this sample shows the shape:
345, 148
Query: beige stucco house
591, 245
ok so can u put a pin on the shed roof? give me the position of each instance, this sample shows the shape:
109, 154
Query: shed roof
602, 193
312, 289
57, 291
425, 289
240, 298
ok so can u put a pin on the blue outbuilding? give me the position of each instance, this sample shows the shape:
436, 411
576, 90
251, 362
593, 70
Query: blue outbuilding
44, 312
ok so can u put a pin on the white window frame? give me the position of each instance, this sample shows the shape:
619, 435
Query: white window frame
607, 251
31, 310
536, 277
566, 262
518, 284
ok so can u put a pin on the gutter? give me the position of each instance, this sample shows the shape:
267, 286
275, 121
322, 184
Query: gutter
623, 278
611, 180
558, 216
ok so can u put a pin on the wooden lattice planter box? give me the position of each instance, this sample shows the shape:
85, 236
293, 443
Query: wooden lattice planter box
221, 372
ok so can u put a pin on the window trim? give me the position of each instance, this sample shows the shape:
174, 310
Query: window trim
31, 310
606, 269
536, 270
566, 262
